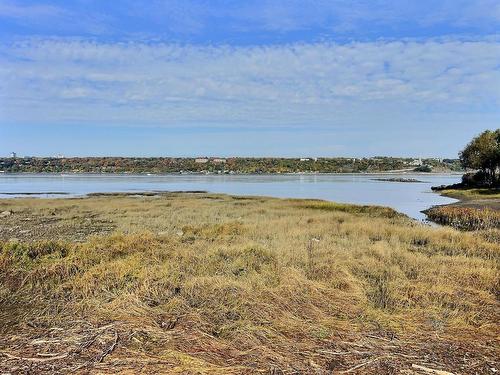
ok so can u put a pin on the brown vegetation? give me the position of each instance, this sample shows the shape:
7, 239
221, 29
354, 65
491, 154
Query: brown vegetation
478, 209
204, 283
465, 218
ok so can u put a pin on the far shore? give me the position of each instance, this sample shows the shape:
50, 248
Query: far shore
406, 172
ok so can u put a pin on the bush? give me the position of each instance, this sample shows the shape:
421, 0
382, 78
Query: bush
478, 179
423, 168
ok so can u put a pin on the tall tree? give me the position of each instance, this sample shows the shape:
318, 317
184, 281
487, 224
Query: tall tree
483, 153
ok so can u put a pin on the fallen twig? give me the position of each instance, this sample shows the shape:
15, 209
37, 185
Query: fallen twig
48, 355
431, 370
42, 341
31, 359
357, 352
109, 350
361, 365
379, 338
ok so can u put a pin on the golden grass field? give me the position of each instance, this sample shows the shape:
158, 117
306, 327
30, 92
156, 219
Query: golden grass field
212, 284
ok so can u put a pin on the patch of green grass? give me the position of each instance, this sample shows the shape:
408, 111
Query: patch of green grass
376, 211
471, 194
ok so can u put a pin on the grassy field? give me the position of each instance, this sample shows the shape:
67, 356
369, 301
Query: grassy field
214, 284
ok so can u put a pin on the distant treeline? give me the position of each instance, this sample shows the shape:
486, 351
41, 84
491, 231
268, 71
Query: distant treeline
220, 165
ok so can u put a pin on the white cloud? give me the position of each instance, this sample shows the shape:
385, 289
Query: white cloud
61, 81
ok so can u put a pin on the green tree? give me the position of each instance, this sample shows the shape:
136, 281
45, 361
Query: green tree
483, 154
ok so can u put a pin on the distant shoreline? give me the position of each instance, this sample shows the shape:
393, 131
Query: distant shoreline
234, 165
145, 174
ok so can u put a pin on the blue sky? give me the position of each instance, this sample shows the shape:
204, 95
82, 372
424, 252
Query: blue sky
249, 78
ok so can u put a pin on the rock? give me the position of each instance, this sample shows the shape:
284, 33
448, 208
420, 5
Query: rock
5, 213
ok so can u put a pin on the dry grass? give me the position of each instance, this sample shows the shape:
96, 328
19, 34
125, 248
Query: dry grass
203, 283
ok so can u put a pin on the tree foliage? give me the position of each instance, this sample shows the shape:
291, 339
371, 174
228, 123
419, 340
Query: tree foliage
483, 154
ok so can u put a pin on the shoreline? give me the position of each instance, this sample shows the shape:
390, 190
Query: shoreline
152, 174
163, 193
152, 185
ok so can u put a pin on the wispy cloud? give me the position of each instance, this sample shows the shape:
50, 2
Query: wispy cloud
19, 11
253, 21
324, 84
52, 19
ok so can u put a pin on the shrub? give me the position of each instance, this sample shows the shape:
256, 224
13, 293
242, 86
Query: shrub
423, 168
478, 179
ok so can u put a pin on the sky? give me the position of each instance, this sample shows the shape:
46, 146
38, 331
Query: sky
247, 78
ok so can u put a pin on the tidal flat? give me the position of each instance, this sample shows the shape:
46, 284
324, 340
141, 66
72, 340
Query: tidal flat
201, 283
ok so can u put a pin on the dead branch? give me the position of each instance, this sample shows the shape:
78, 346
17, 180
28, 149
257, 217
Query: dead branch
109, 350
361, 365
379, 338
431, 370
31, 359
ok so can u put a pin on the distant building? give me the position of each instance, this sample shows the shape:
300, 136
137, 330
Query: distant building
13, 155
416, 162
201, 160
304, 159
217, 160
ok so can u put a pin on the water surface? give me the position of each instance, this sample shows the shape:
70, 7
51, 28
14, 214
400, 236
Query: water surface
408, 198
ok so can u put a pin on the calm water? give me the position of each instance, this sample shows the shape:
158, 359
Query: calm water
409, 198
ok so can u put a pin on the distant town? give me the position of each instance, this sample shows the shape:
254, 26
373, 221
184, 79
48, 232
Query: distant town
218, 165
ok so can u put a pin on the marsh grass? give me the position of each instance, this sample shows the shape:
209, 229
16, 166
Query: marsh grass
465, 218
199, 283
471, 194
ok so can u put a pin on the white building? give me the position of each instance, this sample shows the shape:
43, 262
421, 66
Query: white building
218, 160
13, 155
201, 160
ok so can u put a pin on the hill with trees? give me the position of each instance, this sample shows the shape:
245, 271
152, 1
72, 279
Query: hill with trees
220, 165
